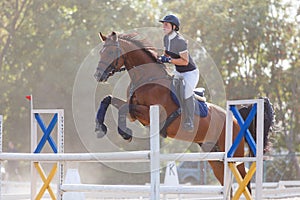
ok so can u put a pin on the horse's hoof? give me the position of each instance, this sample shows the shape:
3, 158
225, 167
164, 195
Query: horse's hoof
100, 130
126, 134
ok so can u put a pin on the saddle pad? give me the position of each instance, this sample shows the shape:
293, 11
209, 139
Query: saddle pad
202, 110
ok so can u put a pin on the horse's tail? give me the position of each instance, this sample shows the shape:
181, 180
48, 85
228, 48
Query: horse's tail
268, 121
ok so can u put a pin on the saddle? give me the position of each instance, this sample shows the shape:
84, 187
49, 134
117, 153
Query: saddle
177, 95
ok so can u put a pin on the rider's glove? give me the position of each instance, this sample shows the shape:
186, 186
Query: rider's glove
164, 59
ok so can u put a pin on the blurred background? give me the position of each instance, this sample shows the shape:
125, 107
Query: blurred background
255, 45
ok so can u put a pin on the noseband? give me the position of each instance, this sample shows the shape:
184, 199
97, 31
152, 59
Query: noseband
111, 69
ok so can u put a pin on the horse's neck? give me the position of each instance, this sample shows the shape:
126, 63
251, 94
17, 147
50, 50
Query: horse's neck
141, 66
134, 55
147, 72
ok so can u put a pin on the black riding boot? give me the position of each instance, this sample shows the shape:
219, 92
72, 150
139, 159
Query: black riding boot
188, 112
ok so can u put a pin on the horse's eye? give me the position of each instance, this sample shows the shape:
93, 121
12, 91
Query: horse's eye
110, 53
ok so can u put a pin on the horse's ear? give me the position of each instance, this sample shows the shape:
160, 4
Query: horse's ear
102, 37
114, 36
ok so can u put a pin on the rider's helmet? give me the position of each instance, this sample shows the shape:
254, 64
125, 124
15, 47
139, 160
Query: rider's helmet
173, 20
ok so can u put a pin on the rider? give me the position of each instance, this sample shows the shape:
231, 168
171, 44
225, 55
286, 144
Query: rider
176, 52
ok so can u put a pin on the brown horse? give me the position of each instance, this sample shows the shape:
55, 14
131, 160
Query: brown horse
150, 85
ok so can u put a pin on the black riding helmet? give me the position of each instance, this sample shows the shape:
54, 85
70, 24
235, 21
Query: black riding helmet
171, 19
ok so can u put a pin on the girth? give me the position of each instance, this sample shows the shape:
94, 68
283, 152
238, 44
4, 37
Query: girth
168, 121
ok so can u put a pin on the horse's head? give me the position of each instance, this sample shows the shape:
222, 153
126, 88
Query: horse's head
111, 57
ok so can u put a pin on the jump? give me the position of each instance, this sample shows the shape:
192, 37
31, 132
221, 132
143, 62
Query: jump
151, 84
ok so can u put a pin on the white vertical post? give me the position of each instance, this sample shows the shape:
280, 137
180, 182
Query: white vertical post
1, 123
33, 132
154, 152
259, 148
228, 144
60, 146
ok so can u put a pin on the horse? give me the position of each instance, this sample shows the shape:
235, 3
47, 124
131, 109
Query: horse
151, 84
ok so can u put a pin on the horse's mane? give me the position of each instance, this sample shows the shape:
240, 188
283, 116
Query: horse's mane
142, 44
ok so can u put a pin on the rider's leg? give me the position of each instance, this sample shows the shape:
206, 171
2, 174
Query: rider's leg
188, 112
191, 80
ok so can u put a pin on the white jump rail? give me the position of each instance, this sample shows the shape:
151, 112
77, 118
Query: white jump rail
140, 189
134, 156
137, 156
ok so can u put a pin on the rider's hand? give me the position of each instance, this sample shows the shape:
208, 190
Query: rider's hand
164, 59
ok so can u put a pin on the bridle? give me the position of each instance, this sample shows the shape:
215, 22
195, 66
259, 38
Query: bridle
111, 69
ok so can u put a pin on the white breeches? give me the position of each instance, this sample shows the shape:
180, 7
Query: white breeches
191, 79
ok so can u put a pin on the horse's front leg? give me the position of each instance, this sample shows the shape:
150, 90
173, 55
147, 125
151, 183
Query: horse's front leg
123, 130
133, 111
101, 128
123, 110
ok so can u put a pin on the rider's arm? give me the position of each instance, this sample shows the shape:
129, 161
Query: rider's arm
183, 60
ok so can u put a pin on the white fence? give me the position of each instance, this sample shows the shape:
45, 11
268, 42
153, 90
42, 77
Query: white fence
153, 156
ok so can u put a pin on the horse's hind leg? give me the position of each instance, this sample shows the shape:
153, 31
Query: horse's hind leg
218, 169
218, 166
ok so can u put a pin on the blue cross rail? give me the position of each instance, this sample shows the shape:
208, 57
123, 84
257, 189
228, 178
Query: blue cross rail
47, 131
244, 131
